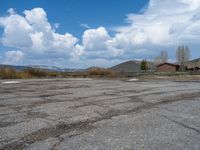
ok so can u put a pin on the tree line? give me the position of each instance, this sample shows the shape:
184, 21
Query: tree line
183, 54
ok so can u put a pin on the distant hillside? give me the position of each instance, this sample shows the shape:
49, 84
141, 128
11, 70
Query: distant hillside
129, 66
48, 68
195, 60
193, 64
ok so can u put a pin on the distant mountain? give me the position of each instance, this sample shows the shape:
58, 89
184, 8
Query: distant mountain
194, 64
18, 68
129, 66
195, 60
93, 67
48, 68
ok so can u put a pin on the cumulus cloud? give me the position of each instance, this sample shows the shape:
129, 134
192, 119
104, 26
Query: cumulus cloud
97, 42
94, 39
162, 23
32, 33
16, 31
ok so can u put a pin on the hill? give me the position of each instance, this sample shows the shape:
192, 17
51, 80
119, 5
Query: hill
44, 67
128, 66
195, 60
194, 64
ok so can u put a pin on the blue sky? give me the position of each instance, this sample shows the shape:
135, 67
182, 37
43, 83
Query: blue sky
71, 13
84, 33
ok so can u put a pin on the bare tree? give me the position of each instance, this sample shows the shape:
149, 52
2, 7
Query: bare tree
161, 58
164, 56
182, 56
157, 60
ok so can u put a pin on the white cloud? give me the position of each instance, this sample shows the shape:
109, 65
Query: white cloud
56, 25
13, 56
11, 11
162, 23
32, 33
94, 39
37, 18
84, 25
97, 43
16, 31
77, 53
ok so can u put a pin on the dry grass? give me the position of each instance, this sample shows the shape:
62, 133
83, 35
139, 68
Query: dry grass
10, 73
35, 72
101, 72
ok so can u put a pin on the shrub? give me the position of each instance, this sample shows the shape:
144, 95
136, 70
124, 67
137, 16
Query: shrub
23, 75
101, 72
8, 73
54, 74
36, 72
11, 73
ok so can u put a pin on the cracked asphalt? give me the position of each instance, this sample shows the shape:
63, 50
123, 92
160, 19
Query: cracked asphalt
90, 114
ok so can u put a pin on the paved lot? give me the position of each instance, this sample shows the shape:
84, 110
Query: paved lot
99, 114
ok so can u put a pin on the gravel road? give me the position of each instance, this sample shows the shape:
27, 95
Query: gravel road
89, 114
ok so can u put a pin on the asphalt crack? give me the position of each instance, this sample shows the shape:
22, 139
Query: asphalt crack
182, 124
87, 125
44, 133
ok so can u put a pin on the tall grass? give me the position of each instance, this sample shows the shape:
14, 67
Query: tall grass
11, 73
7, 73
101, 72
36, 72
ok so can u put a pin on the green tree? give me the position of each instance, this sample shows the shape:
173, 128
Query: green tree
144, 65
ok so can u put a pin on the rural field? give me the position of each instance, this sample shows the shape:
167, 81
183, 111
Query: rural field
99, 114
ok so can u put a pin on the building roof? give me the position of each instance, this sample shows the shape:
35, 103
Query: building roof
170, 64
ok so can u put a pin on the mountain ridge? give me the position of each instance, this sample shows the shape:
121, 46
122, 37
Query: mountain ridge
45, 67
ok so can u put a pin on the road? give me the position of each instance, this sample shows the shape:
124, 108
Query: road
90, 114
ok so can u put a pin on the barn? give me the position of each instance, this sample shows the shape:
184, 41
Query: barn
167, 67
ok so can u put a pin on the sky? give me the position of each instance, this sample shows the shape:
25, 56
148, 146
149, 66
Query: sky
103, 33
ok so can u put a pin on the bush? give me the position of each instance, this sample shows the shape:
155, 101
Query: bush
101, 72
7, 73
11, 73
54, 74
36, 72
